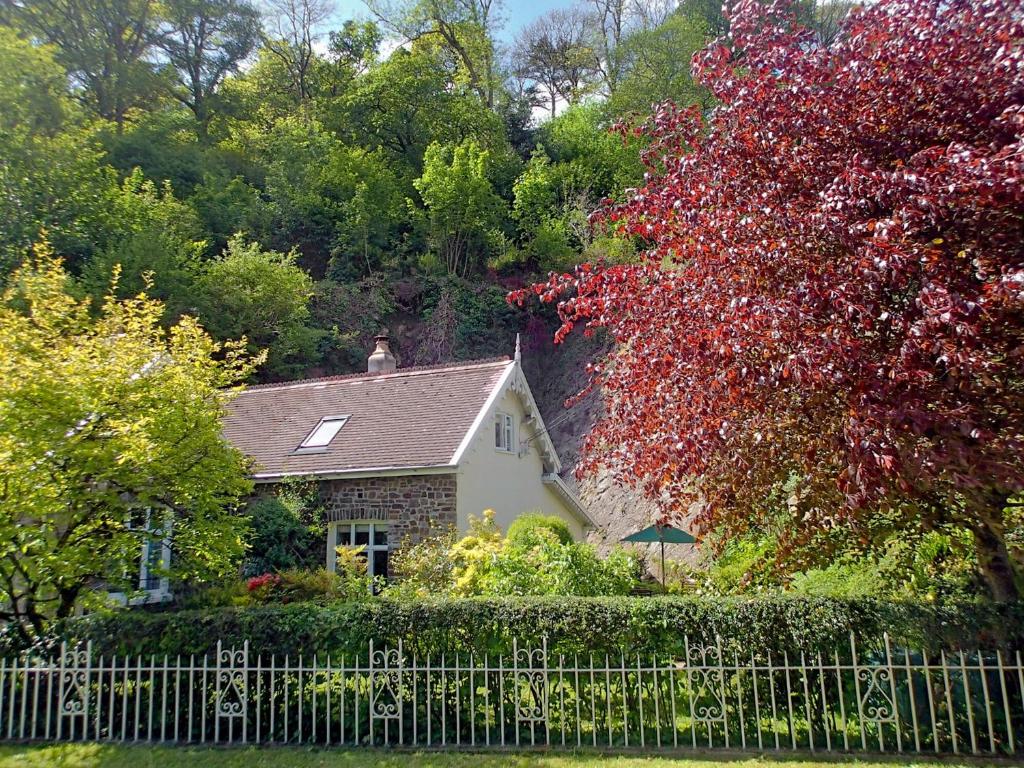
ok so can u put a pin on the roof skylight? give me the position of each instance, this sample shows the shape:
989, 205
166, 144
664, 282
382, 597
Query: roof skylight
324, 432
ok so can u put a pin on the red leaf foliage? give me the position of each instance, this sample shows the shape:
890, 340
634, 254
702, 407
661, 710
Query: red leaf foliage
832, 282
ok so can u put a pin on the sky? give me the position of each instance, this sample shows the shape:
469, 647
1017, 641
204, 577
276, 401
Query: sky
517, 13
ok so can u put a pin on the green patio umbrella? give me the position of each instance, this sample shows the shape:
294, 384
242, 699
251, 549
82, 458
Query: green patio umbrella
661, 534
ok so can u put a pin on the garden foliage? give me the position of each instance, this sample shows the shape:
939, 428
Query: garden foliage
830, 291
570, 625
110, 437
538, 557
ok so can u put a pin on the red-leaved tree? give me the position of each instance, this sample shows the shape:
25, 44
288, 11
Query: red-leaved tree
831, 291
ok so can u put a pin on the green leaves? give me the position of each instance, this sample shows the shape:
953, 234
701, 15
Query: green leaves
262, 296
538, 557
570, 625
462, 206
204, 41
101, 419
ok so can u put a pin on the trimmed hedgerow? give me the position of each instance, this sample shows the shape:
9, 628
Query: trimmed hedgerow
599, 625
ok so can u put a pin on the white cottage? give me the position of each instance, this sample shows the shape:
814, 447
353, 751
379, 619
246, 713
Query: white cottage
400, 453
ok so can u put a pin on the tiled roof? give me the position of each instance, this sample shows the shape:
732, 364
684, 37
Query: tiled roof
414, 417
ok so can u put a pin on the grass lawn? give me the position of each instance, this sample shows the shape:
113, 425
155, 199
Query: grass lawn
94, 756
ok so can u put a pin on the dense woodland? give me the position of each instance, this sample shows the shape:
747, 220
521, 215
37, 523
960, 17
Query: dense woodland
302, 180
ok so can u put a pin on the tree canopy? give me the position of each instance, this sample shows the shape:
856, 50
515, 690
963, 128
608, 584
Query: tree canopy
110, 434
828, 307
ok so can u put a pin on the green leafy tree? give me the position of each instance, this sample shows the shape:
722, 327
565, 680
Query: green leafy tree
462, 208
599, 162
225, 207
464, 29
164, 146
340, 206
660, 67
545, 211
155, 245
411, 100
354, 47
104, 418
253, 101
204, 41
577, 164
262, 296
103, 44
52, 174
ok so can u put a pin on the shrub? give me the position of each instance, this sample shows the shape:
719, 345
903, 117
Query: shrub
524, 527
286, 532
261, 588
932, 566
538, 557
216, 595
601, 625
541, 564
473, 556
349, 581
420, 569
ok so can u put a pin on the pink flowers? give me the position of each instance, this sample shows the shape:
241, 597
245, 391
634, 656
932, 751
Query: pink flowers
263, 583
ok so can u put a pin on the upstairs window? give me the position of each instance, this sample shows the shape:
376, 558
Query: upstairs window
323, 433
504, 438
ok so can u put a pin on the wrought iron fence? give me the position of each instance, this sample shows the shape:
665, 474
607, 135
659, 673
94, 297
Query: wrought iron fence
890, 700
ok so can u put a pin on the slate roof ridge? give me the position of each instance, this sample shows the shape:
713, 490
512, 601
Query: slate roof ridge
400, 372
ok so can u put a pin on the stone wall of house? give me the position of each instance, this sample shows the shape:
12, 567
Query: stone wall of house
412, 505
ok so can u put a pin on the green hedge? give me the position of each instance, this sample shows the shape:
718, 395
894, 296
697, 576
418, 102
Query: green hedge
601, 625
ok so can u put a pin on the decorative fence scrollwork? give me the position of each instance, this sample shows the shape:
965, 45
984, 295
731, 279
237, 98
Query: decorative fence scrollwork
706, 677
74, 680
387, 686
849, 700
531, 689
232, 682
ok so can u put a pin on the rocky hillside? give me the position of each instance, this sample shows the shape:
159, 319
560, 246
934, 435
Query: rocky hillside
556, 373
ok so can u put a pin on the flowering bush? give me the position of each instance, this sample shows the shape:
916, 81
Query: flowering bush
260, 588
538, 560
300, 586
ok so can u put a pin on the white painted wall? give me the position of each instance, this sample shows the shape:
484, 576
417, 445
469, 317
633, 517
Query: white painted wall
506, 482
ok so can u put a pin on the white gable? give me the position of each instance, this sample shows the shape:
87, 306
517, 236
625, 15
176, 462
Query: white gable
517, 480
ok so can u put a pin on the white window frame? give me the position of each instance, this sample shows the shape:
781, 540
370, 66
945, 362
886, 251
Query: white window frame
305, 445
145, 591
508, 432
370, 548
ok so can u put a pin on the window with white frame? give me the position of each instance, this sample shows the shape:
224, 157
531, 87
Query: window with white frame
323, 433
504, 437
148, 572
371, 536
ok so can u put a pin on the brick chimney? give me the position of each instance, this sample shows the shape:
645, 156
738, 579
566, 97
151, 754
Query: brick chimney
381, 361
